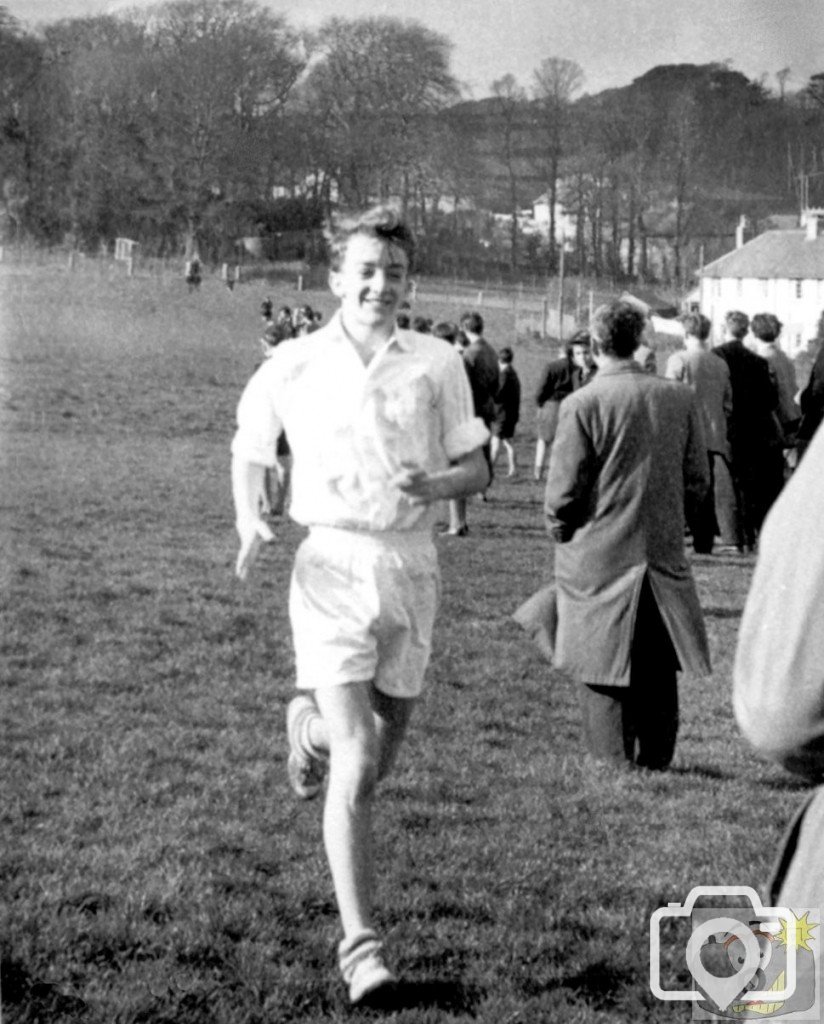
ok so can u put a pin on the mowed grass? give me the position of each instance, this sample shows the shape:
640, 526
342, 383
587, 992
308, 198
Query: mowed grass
154, 866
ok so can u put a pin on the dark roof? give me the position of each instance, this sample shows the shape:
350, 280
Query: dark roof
781, 254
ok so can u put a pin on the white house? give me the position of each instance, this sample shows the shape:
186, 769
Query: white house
565, 225
780, 272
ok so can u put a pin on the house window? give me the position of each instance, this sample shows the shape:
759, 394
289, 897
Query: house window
798, 289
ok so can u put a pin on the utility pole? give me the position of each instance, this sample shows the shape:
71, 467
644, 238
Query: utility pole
561, 291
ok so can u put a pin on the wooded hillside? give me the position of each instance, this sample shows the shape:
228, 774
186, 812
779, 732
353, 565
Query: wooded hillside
200, 122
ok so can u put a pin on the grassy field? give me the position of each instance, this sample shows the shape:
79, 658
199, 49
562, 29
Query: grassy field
155, 869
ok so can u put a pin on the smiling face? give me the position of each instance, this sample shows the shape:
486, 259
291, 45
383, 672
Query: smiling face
371, 283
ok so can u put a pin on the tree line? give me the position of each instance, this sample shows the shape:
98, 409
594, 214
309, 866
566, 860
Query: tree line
196, 123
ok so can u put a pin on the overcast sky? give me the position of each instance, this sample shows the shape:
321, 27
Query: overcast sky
614, 41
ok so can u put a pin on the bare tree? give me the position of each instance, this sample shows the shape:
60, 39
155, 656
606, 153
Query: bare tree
510, 102
375, 87
222, 70
555, 83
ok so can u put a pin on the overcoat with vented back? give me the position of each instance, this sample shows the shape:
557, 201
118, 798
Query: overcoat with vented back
628, 454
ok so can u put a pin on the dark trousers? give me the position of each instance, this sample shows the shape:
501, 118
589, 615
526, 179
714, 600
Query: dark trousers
718, 513
759, 478
637, 723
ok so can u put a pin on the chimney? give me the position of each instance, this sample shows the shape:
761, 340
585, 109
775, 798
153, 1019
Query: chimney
739, 231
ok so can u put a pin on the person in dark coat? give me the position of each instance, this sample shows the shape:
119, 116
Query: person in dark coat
560, 378
507, 410
481, 363
193, 274
755, 437
628, 460
812, 397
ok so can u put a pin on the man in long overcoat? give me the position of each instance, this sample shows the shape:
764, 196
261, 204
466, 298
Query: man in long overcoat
628, 458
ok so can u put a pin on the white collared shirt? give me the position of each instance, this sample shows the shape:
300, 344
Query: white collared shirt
352, 428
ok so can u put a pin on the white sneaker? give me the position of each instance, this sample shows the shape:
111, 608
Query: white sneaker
362, 965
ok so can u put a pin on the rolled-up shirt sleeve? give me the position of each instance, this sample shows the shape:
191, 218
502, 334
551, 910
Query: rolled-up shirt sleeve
258, 423
463, 431
778, 678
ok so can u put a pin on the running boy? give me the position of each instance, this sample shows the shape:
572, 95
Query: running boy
382, 428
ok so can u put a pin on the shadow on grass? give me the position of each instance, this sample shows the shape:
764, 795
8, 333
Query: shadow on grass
701, 771
448, 995
37, 1000
789, 784
600, 985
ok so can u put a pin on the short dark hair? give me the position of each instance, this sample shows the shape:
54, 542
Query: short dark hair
383, 222
765, 326
402, 320
617, 327
421, 325
580, 337
473, 322
506, 355
737, 323
696, 325
446, 330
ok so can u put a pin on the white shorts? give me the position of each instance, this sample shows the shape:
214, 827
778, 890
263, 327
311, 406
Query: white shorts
362, 607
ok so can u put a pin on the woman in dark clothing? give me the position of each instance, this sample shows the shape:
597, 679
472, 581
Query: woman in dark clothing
507, 410
560, 378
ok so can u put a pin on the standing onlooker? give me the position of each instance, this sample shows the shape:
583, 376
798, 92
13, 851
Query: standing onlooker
193, 273
481, 362
303, 322
754, 436
560, 378
629, 457
383, 429
709, 379
507, 410
283, 324
765, 329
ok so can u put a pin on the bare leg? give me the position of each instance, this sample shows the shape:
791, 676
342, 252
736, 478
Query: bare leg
362, 730
510, 457
457, 515
540, 457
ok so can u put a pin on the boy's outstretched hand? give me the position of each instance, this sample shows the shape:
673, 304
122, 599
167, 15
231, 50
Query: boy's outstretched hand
252, 534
